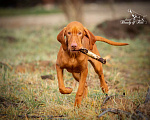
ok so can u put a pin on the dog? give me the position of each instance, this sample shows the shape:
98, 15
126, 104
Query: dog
72, 38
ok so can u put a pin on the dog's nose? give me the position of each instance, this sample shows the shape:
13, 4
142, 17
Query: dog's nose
73, 45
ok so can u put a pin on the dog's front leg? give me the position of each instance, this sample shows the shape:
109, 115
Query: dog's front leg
80, 91
62, 88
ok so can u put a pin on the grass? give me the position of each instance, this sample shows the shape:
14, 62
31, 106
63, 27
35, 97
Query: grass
25, 94
27, 11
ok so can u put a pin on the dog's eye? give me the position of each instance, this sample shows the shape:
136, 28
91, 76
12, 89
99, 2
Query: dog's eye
69, 33
79, 33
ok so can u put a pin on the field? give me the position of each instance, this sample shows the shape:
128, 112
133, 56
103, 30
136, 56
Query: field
29, 53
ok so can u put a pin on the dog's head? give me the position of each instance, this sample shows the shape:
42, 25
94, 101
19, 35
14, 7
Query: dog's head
74, 33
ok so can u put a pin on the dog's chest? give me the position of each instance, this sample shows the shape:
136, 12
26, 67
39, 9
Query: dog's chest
74, 64
72, 60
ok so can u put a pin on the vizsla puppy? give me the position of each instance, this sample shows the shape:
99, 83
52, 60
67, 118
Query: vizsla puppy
73, 37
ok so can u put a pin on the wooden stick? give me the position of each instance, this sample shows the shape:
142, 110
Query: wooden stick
117, 111
147, 99
92, 55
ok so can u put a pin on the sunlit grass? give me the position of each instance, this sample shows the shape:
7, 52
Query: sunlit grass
27, 94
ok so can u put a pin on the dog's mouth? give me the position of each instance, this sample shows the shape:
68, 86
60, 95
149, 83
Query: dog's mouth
75, 50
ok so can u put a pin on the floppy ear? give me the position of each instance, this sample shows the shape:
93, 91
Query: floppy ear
91, 37
61, 39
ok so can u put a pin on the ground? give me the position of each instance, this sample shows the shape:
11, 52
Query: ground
29, 49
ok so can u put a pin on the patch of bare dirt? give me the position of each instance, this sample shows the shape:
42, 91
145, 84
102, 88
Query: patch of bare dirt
35, 66
114, 29
10, 39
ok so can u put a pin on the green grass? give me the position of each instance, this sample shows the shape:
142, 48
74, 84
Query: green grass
27, 94
27, 11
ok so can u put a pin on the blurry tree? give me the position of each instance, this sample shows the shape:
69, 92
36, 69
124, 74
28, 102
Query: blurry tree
73, 9
111, 4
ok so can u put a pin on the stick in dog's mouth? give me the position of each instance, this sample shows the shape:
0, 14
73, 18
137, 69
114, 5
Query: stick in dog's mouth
92, 55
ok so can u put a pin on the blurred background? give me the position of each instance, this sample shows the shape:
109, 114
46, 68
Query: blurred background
28, 50
52, 12
105, 15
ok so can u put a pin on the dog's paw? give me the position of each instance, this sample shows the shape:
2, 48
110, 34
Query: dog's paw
66, 90
104, 88
69, 90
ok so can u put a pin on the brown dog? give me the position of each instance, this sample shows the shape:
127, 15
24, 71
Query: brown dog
77, 36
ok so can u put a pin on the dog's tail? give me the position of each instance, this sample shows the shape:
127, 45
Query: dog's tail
99, 38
